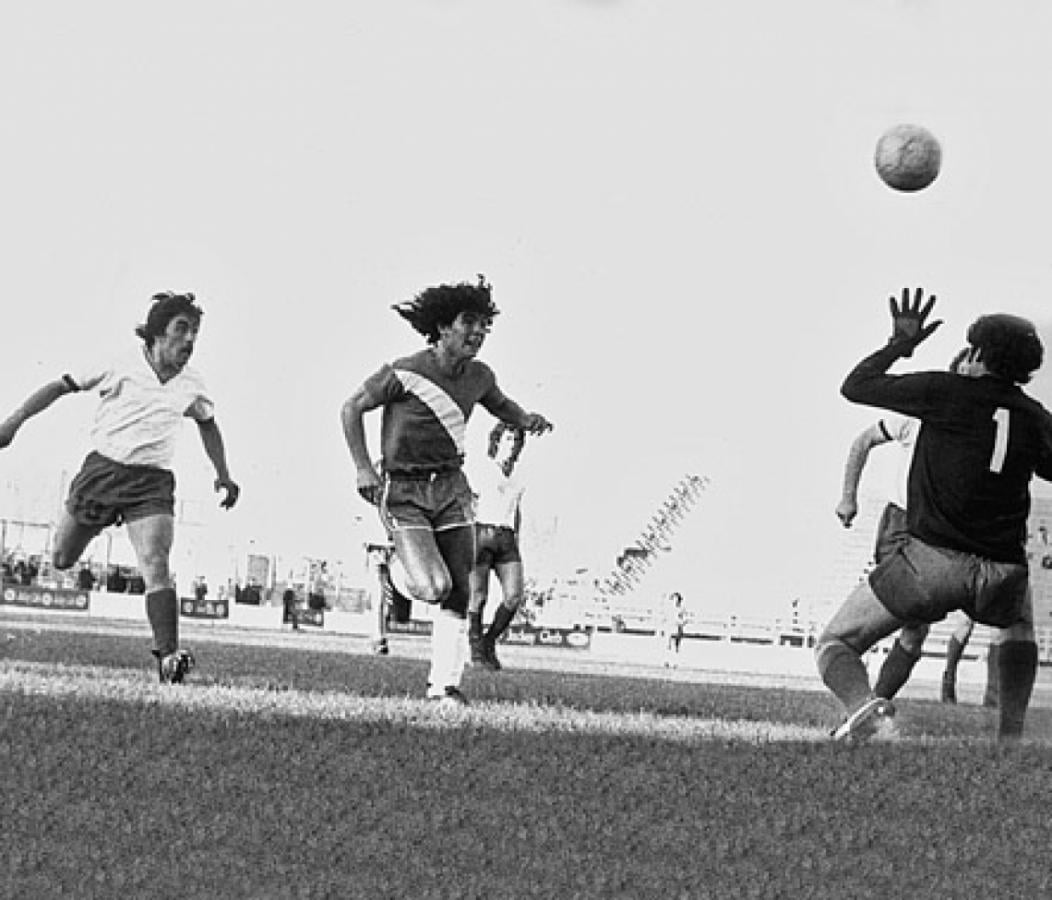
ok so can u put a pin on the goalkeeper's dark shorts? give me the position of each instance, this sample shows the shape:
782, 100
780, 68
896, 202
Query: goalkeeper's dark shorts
922, 583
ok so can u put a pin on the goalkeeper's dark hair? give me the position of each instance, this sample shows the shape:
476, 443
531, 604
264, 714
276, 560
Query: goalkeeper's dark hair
1008, 345
165, 307
439, 306
497, 432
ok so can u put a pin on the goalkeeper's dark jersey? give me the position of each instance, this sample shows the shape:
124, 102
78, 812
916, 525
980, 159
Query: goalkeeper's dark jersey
981, 441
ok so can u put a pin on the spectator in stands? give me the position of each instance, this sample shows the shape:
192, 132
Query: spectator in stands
126, 479
498, 491
251, 593
116, 583
290, 613
423, 497
85, 579
981, 442
671, 620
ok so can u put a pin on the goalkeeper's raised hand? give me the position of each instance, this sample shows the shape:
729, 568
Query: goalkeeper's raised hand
908, 321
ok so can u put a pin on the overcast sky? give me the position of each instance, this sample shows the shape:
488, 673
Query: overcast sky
675, 202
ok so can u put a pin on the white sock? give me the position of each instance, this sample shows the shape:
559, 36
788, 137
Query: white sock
448, 648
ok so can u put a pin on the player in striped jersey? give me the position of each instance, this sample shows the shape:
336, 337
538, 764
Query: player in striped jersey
981, 441
422, 494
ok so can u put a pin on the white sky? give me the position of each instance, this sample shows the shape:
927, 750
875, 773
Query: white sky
675, 202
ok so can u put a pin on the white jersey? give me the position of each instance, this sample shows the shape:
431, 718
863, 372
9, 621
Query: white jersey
903, 430
497, 495
138, 419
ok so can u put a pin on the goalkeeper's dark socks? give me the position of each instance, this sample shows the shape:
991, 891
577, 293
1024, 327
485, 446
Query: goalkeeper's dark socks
1017, 667
162, 610
895, 672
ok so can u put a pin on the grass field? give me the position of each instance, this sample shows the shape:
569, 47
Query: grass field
315, 771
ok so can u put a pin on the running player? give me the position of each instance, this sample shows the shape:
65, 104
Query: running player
498, 517
981, 441
422, 494
145, 396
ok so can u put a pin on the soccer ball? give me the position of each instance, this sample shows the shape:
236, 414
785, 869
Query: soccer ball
908, 157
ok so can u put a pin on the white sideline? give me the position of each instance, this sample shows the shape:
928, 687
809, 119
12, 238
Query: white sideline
127, 686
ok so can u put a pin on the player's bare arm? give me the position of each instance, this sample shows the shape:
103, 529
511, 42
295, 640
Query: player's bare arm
847, 508
352, 416
507, 410
35, 403
212, 439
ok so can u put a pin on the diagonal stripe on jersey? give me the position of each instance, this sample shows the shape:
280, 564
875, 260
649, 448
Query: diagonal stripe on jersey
439, 402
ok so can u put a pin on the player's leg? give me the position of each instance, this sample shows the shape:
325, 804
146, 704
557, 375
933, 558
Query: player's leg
898, 666
892, 533
955, 646
511, 577
449, 640
860, 622
385, 593
426, 575
71, 540
479, 595
151, 539
991, 695
1017, 669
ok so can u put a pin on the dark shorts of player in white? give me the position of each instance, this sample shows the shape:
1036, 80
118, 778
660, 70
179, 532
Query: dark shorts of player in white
891, 531
922, 583
495, 544
436, 501
105, 492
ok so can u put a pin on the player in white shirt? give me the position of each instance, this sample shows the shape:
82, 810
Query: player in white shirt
498, 494
126, 478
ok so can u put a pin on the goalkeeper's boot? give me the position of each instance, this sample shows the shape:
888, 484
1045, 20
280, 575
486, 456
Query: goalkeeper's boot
871, 718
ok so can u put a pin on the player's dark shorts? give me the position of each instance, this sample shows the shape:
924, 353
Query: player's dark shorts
435, 501
891, 531
495, 544
105, 492
922, 583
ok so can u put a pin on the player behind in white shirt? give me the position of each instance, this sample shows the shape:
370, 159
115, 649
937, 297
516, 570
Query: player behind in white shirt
498, 494
126, 478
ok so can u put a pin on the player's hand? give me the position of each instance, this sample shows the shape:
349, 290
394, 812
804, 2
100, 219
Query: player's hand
908, 321
536, 424
232, 491
846, 510
370, 488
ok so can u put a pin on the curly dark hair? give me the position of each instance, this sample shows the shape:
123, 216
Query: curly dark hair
1008, 345
497, 433
166, 306
439, 306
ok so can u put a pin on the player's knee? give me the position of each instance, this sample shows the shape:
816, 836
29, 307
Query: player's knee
432, 591
912, 639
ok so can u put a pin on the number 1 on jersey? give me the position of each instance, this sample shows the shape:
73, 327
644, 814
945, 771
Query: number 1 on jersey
1001, 423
